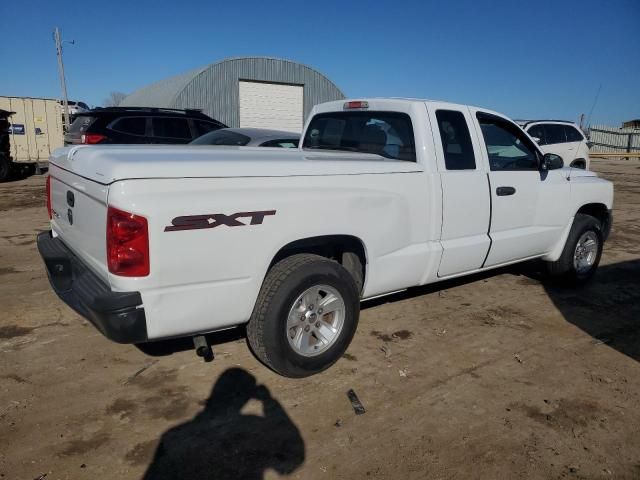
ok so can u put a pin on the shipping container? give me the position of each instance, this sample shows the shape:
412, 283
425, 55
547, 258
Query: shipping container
35, 129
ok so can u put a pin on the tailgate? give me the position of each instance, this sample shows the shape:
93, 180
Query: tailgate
79, 211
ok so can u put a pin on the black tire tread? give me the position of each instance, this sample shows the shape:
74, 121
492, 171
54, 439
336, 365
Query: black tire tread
276, 275
562, 269
5, 169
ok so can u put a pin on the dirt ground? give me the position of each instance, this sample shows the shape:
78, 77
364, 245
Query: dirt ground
492, 377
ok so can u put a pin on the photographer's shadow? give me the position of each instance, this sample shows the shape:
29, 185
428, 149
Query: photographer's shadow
220, 442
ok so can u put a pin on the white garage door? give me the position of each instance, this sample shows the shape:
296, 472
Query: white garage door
271, 105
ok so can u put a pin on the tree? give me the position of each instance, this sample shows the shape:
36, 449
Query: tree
114, 99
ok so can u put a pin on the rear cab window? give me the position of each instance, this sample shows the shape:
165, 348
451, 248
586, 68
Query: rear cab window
388, 134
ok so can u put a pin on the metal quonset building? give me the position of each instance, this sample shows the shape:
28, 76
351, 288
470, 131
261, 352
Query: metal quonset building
244, 92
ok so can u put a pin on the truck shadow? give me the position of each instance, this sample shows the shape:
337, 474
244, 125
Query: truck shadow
608, 308
163, 348
221, 442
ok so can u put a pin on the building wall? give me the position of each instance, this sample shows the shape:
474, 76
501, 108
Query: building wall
215, 89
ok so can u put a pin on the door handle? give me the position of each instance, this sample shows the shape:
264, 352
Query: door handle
504, 191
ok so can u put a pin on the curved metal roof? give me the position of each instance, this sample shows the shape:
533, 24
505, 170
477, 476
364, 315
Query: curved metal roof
162, 93
213, 88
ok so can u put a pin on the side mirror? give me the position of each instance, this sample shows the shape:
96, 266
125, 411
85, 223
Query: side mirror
551, 161
536, 139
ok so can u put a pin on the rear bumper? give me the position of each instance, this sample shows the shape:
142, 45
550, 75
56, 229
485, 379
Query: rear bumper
118, 315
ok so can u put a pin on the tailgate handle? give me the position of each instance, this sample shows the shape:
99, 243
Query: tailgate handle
71, 199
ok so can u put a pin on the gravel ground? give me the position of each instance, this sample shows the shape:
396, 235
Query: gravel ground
496, 376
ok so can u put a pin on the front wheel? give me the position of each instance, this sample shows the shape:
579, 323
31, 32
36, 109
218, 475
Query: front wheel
581, 254
305, 316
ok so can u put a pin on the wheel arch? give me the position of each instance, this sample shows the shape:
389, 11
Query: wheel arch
336, 247
579, 163
600, 212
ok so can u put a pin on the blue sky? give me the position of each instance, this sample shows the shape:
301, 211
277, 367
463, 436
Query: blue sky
528, 59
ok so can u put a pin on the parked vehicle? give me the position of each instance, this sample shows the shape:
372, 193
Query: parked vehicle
135, 125
74, 107
249, 137
562, 138
35, 131
383, 195
5, 163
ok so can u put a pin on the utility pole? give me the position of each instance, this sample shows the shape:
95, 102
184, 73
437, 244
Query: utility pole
65, 99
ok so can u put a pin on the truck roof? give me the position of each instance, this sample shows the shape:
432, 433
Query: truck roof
391, 101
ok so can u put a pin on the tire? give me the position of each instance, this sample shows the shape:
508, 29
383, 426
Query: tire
22, 170
569, 269
352, 263
29, 170
5, 169
289, 320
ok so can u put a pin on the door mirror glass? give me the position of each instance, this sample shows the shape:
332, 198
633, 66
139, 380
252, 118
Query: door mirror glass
551, 161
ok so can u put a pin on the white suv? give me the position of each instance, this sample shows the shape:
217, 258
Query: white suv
562, 138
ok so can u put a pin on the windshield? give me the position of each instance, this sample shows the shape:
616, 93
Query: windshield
222, 137
389, 134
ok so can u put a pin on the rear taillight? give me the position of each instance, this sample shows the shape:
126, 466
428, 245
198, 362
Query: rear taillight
127, 244
92, 138
49, 197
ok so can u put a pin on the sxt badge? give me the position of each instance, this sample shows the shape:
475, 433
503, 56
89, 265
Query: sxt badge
196, 222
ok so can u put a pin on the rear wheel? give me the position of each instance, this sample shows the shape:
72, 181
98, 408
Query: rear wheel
305, 316
581, 254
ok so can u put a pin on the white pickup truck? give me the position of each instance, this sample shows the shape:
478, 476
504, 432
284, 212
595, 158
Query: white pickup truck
153, 242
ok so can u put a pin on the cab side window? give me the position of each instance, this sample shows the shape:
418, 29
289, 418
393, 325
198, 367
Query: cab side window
508, 147
537, 131
456, 140
555, 133
572, 134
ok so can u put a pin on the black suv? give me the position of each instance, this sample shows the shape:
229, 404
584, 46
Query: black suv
139, 125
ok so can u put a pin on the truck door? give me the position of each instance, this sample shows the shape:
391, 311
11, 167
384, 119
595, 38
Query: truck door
465, 190
528, 206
